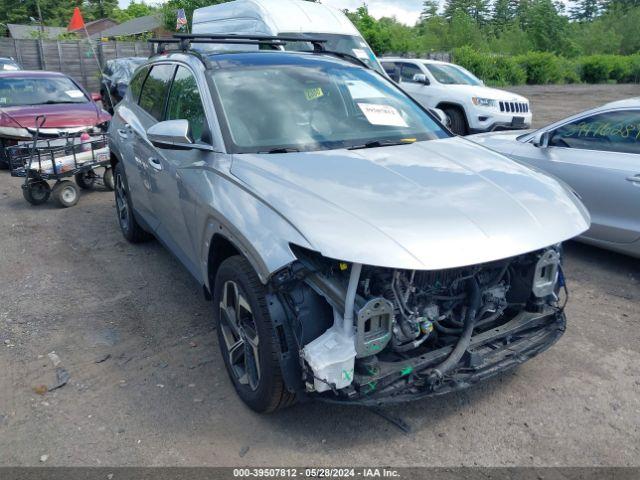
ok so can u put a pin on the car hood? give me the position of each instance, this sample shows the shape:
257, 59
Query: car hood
501, 141
430, 205
58, 116
485, 92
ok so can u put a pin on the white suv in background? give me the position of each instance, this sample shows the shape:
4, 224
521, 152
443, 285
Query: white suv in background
471, 107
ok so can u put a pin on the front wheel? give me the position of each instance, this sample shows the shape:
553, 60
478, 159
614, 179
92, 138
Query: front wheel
36, 192
247, 340
458, 121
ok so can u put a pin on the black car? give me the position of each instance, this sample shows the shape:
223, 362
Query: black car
115, 79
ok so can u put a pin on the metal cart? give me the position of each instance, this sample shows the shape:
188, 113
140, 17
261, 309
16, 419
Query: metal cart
41, 161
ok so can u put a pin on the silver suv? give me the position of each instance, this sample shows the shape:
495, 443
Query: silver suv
354, 249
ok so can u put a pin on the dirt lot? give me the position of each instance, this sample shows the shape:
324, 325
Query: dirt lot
148, 386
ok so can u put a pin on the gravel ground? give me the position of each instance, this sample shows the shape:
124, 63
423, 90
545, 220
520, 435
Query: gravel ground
148, 387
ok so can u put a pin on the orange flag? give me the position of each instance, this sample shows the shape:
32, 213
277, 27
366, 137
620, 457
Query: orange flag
77, 22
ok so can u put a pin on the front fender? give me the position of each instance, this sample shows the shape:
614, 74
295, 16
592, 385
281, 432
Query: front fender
255, 229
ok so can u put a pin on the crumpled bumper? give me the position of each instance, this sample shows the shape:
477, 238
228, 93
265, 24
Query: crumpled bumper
490, 353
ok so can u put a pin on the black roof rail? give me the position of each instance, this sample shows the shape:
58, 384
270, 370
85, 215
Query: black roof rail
184, 40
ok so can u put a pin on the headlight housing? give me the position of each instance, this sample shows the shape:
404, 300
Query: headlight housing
545, 277
15, 132
484, 102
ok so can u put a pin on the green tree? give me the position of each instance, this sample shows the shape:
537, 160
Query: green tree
429, 9
585, 10
170, 9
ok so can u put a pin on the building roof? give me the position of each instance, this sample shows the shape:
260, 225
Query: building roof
135, 26
32, 31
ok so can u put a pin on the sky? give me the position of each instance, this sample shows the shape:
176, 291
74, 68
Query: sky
406, 11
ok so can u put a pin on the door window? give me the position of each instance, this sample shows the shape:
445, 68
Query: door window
611, 131
408, 71
185, 103
155, 90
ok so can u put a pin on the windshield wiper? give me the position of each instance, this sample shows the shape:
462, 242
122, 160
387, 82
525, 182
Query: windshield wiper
282, 150
381, 143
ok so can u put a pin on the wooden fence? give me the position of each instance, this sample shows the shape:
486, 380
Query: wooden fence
72, 57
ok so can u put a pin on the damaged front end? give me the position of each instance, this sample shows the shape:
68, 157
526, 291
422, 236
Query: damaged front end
372, 335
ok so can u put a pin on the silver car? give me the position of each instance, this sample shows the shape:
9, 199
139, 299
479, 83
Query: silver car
355, 250
597, 153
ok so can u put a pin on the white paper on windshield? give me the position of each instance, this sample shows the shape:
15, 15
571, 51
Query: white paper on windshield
359, 89
382, 115
74, 93
361, 54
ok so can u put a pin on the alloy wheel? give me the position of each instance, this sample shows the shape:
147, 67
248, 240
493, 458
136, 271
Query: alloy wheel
240, 335
121, 204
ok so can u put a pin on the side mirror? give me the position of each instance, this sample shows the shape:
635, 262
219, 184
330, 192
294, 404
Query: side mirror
171, 134
96, 97
421, 78
541, 139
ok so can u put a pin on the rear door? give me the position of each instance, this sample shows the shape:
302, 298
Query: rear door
153, 98
599, 157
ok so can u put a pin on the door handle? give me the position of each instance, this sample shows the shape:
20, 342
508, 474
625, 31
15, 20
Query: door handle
123, 132
634, 179
155, 163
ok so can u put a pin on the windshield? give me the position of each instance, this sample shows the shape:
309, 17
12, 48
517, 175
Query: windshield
38, 91
452, 75
286, 108
348, 44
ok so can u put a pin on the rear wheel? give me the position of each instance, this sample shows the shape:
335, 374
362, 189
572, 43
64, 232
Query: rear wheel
65, 193
130, 228
458, 121
86, 180
36, 192
247, 340
108, 180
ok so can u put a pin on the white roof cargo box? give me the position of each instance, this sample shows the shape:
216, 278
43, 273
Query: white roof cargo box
285, 18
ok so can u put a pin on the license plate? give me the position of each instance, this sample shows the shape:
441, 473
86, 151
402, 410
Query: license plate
517, 121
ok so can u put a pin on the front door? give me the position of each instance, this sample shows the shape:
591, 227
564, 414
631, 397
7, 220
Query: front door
173, 203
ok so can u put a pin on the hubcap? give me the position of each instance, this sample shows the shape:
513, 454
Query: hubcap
240, 335
68, 195
121, 204
38, 191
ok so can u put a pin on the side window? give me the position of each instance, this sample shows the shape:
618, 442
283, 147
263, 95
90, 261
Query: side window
135, 86
611, 131
392, 70
408, 71
155, 90
185, 103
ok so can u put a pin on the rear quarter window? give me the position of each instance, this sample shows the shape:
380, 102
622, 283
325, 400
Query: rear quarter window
156, 89
135, 86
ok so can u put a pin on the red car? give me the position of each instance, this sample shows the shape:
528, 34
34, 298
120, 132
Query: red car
25, 95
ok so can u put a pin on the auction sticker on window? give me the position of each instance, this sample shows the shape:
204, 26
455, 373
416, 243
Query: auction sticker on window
74, 93
382, 115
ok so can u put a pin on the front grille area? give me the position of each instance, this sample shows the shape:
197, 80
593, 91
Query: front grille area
514, 107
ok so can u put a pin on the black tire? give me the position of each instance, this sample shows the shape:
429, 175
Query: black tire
65, 193
36, 192
86, 180
264, 391
458, 121
108, 180
130, 228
